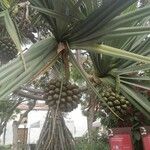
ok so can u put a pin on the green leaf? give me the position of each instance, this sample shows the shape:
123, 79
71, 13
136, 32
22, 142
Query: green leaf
27, 75
131, 69
75, 8
96, 20
34, 51
144, 86
39, 55
12, 32
53, 14
110, 51
144, 78
137, 135
128, 17
127, 31
138, 98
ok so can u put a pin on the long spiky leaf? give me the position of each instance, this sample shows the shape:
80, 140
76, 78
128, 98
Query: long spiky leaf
111, 51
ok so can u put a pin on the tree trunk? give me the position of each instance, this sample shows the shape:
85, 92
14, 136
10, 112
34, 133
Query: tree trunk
90, 117
15, 135
4, 136
55, 135
1, 130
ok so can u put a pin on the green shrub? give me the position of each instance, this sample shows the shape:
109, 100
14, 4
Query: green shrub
5, 147
84, 144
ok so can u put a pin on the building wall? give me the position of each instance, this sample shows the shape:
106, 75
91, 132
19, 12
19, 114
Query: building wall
35, 118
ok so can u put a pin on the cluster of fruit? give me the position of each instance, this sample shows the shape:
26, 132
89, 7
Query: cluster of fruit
66, 95
117, 102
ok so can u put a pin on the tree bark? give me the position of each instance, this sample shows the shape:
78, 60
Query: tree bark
90, 116
90, 120
15, 135
29, 95
4, 136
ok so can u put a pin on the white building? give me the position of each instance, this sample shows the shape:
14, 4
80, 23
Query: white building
35, 121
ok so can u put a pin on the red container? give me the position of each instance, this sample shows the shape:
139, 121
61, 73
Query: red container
120, 139
145, 133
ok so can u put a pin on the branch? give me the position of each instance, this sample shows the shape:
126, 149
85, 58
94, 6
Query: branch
29, 95
80, 63
39, 91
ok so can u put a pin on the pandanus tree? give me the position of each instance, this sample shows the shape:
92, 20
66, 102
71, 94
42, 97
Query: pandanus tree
115, 33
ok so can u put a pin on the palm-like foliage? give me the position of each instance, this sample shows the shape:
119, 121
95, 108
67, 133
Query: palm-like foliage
115, 37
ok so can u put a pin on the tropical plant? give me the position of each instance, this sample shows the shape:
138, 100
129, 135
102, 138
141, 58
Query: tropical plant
113, 32
98, 142
8, 110
4, 147
83, 27
58, 137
